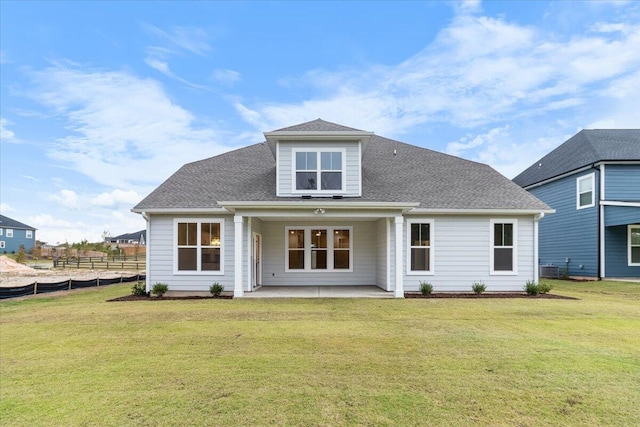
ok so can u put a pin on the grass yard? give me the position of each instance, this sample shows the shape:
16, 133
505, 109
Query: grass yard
77, 360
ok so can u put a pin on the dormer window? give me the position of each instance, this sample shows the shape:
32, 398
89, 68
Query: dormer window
319, 170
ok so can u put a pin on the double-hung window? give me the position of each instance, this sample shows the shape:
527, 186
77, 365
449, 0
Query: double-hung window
420, 246
9, 232
319, 171
503, 256
634, 245
318, 249
29, 234
585, 197
198, 246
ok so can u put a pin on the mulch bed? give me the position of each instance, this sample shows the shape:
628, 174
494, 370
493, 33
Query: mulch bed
149, 298
487, 295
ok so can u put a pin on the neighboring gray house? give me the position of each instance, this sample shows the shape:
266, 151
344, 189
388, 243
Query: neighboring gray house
324, 204
137, 238
13, 234
593, 182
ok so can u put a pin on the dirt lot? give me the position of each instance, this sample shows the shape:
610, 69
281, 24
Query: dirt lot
14, 274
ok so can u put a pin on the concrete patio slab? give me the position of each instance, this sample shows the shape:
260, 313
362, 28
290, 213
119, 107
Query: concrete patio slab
319, 292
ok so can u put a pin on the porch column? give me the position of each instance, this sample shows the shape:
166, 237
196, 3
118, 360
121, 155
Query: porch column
237, 256
399, 293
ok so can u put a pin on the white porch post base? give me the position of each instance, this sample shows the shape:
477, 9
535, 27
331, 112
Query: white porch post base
399, 291
238, 291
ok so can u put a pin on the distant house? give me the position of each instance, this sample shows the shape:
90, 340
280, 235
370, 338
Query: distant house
593, 182
13, 234
137, 238
324, 204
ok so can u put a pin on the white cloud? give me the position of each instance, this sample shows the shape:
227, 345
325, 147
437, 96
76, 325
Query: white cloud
6, 135
481, 72
4, 208
66, 198
192, 39
226, 77
121, 127
115, 197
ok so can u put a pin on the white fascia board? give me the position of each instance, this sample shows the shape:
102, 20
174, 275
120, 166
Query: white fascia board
613, 203
420, 211
306, 135
309, 204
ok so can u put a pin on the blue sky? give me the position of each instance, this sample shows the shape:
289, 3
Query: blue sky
102, 101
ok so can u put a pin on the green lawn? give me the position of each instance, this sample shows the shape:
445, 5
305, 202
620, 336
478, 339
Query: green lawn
77, 360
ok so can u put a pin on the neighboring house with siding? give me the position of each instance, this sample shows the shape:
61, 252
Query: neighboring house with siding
593, 182
137, 238
325, 204
13, 234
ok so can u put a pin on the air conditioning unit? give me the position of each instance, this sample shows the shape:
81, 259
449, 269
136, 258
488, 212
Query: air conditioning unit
549, 271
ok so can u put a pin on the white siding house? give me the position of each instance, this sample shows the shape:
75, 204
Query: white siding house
323, 204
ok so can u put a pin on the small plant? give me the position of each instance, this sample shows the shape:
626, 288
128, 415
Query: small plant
478, 287
426, 288
159, 289
216, 289
532, 288
545, 287
139, 289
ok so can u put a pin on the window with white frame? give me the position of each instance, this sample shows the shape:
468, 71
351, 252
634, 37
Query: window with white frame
198, 246
2, 246
1, 231
420, 246
503, 255
9, 232
29, 234
634, 245
585, 197
318, 249
319, 171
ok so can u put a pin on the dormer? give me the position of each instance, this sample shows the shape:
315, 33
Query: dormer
318, 159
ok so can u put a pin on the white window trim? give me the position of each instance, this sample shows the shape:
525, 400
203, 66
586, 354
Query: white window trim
431, 223
307, 249
2, 244
174, 242
592, 178
1, 231
631, 264
9, 232
514, 261
28, 234
318, 150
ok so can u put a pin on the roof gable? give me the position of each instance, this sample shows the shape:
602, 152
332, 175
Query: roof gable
6, 222
317, 125
583, 149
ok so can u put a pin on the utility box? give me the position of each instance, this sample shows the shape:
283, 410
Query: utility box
549, 271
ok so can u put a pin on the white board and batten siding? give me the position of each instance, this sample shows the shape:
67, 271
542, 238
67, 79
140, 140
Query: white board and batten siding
286, 165
461, 246
161, 255
363, 256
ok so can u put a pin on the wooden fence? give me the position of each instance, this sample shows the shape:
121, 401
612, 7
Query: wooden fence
133, 263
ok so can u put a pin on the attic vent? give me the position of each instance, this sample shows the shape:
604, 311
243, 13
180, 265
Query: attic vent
337, 197
306, 196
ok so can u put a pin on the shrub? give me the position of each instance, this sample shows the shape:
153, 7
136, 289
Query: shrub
426, 288
216, 289
139, 289
532, 288
545, 287
478, 287
159, 289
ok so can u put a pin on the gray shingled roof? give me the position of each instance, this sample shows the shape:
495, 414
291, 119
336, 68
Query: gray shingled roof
583, 149
6, 222
413, 174
317, 125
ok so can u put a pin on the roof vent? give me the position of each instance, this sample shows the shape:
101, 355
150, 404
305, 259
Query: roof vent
306, 196
337, 197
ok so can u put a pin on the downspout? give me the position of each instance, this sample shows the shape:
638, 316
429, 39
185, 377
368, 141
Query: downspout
536, 262
601, 239
147, 252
